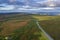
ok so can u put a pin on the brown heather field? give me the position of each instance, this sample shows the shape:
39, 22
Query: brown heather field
10, 26
12, 22
18, 27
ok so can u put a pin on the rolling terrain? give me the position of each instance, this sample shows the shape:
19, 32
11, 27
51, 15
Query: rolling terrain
19, 27
51, 24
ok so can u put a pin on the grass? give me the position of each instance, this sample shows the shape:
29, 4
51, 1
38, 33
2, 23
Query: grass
42, 18
20, 27
30, 32
51, 24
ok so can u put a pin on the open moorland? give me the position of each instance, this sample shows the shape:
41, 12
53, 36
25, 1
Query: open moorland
19, 27
51, 24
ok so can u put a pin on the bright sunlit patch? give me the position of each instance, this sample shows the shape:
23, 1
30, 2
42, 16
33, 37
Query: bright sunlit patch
48, 8
52, 5
27, 6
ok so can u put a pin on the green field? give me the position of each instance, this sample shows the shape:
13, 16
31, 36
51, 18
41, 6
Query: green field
19, 27
51, 24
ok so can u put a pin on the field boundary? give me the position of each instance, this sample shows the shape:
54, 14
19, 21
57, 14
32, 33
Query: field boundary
47, 35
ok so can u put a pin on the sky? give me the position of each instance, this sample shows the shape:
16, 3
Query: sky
29, 5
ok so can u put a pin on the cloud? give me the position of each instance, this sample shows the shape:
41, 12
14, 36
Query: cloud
26, 6
3, 4
8, 7
28, 9
21, 0
32, 10
35, 9
39, 0
48, 8
12, 0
